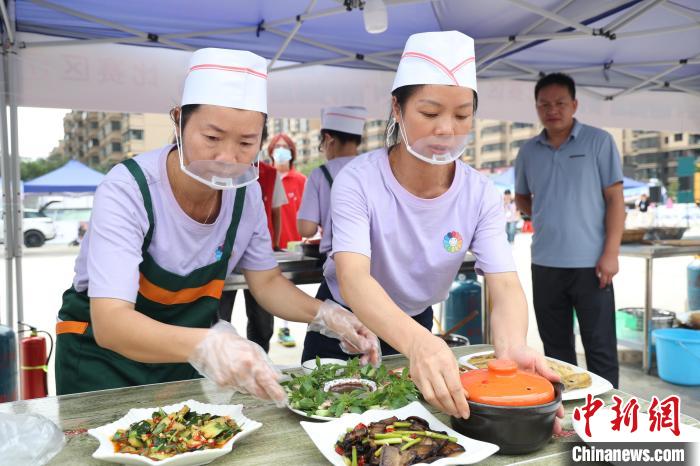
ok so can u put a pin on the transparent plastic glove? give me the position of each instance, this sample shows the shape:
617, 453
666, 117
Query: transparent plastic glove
232, 361
28, 439
334, 321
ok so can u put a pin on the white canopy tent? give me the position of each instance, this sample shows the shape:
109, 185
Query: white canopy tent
637, 62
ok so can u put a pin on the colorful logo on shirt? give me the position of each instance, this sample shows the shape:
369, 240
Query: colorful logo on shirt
452, 242
219, 252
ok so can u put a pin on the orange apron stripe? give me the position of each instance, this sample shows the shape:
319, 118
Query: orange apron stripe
154, 293
71, 326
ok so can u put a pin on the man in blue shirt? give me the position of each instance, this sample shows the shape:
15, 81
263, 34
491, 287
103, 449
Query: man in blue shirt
569, 180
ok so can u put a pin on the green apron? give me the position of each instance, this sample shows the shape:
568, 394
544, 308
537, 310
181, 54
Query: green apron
327, 174
185, 301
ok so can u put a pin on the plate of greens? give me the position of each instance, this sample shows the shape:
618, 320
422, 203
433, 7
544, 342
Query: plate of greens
184, 434
332, 390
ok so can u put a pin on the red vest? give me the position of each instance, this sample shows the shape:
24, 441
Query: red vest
293, 182
267, 176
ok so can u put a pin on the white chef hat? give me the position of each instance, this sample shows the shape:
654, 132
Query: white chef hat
227, 78
349, 120
445, 57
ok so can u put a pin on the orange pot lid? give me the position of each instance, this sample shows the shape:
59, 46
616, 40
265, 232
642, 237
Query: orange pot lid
502, 384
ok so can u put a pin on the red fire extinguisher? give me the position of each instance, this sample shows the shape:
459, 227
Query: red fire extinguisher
34, 363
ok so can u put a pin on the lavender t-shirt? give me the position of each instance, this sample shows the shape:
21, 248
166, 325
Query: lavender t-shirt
416, 245
316, 204
108, 263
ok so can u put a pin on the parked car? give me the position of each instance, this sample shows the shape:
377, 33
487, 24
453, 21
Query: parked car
37, 228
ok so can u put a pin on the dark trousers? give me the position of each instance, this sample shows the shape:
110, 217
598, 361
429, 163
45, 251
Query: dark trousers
322, 346
556, 293
260, 322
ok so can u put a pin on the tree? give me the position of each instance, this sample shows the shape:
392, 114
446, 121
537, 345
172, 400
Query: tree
307, 167
30, 169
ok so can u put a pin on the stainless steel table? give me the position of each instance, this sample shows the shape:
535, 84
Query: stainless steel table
281, 439
305, 270
301, 271
649, 253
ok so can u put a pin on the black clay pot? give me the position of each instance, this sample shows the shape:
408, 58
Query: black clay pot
515, 429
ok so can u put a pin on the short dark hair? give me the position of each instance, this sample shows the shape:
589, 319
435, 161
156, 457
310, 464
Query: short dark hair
402, 95
559, 79
507, 191
342, 136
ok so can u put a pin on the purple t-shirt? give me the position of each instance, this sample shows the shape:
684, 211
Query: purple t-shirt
416, 245
110, 254
316, 204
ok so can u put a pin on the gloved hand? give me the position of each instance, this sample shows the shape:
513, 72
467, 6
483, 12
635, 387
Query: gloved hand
334, 321
230, 360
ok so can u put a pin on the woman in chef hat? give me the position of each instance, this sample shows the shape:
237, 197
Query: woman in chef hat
341, 134
404, 217
167, 228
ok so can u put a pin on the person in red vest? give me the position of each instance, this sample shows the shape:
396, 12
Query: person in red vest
274, 197
283, 152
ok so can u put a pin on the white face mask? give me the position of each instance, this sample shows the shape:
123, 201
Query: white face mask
281, 155
435, 150
217, 174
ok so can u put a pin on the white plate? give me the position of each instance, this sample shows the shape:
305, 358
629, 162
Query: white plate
309, 365
601, 430
312, 416
598, 385
105, 451
326, 435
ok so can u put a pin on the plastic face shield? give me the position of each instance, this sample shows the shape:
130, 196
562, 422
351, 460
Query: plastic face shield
218, 174
436, 149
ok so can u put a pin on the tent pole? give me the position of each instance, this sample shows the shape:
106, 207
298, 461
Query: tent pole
73, 42
508, 46
17, 236
120, 27
650, 80
291, 35
531, 37
627, 65
330, 48
6, 197
635, 12
681, 11
657, 31
6, 23
553, 16
670, 85
330, 61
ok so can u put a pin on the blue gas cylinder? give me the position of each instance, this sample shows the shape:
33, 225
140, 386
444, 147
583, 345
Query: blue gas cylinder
8, 365
694, 284
464, 300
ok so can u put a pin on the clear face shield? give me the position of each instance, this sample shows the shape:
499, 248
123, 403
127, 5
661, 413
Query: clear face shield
435, 149
218, 174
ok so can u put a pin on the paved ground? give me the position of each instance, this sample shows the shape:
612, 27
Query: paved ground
48, 271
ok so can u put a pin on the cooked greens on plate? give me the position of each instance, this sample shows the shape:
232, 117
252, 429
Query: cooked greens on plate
306, 392
166, 435
395, 442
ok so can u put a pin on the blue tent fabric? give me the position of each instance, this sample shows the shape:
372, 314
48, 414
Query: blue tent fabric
259, 27
73, 177
629, 183
506, 178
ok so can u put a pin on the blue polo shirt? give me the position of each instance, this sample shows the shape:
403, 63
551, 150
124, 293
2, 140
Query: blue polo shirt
568, 207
